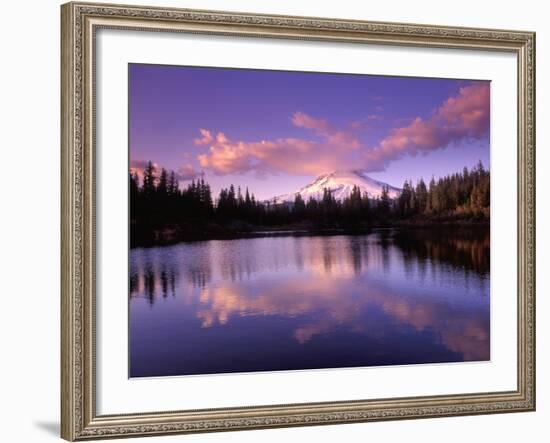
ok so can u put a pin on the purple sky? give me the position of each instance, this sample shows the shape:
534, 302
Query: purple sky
274, 131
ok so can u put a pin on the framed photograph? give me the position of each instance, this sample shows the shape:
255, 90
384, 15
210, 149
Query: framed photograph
282, 221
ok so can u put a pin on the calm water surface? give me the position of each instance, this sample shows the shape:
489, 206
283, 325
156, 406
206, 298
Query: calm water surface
279, 303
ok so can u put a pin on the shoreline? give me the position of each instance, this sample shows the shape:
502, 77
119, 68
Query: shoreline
168, 237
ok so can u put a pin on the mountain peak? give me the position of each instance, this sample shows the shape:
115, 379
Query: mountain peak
340, 183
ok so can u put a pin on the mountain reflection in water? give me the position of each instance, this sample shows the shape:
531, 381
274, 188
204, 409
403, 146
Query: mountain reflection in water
275, 303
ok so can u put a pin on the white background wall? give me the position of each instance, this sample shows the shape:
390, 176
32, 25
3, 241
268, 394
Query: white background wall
29, 218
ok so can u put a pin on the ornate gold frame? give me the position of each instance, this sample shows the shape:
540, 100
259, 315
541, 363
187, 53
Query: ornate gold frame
79, 22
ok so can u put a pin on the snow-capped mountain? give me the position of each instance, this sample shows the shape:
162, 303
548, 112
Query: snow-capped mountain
340, 184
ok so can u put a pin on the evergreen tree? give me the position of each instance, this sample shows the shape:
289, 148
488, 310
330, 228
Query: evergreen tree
162, 187
172, 184
421, 196
299, 207
149, 180
134, 195
384, 205
366, 212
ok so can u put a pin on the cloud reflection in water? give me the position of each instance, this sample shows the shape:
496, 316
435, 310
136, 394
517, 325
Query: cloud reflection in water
413, 297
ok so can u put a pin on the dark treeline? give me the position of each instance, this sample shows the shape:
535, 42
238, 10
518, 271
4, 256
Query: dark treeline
459, 195
162, 212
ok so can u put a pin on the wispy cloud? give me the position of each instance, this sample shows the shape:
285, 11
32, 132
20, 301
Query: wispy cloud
205, 138
464, 116
186, 172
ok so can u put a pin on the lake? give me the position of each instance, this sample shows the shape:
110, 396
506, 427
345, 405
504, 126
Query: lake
390, 297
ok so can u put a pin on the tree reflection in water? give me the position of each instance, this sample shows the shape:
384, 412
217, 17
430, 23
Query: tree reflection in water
390, 297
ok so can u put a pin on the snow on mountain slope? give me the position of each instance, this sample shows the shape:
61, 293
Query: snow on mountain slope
340, 184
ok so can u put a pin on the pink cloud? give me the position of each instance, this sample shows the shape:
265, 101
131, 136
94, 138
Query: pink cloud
205, 139
469, 111
292, 155
464, 116
302, 120
186, 172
